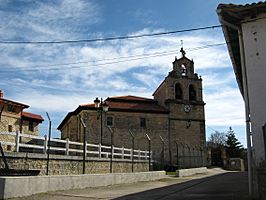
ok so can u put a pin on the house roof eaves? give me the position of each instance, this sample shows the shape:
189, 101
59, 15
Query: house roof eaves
231, 16
15, 102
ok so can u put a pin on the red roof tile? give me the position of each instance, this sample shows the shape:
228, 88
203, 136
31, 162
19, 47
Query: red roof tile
130, 98
32, 116
131, 103
123, 104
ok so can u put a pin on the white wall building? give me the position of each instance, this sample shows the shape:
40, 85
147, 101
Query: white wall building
244, 29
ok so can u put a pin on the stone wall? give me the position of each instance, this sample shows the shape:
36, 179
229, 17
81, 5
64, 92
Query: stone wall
70, 165
156, 126
191, 140
14, 121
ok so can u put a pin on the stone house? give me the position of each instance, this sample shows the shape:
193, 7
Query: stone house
13, 118
174, 119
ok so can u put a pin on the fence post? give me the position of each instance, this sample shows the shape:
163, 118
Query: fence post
139, 154
84, 146
17, 141
123, 152
100, 150
201, 157
113, 151
67, 146
181, 160
133, 146
45, 144
189, 157
162, 153
177, 158
193, 157
86, 149
150, 153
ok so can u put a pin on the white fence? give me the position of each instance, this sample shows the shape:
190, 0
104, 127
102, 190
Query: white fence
67, 147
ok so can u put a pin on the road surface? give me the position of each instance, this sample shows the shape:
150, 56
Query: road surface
215, 185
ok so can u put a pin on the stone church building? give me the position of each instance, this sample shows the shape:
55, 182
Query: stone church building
174, 119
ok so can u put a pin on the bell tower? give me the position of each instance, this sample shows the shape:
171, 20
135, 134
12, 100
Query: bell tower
181, 94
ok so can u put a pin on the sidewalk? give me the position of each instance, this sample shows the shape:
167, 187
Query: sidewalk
143, 190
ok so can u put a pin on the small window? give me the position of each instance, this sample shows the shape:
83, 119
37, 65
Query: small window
142, 122
109, 121
11, 108
31, 128
8, 148
10, 128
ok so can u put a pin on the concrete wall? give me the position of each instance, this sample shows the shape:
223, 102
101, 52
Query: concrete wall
190, 172
69, 165
261, 173
26, 186
254, 31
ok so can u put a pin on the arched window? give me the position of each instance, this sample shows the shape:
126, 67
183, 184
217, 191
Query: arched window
192, 93
178, 91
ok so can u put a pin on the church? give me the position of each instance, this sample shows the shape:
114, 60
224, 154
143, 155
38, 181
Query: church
173, 120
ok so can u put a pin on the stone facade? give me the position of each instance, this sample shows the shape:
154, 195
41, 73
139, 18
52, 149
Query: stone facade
14, 119
70, 165
174, 120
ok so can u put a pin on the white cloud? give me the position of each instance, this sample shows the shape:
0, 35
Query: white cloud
224, 107
63, 90
47, 21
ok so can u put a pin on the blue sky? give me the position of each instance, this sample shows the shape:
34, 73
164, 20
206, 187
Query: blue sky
36, 74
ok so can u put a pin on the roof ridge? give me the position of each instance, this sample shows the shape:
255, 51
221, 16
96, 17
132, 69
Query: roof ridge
131, 97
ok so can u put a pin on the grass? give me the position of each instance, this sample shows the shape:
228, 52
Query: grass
170, 173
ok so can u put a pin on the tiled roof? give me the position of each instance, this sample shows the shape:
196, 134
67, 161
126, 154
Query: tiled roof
240, 6
129, 98
123, 104
32, 116
131, 104
235, 13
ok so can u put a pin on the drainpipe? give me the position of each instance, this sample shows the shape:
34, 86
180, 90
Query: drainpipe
246, 98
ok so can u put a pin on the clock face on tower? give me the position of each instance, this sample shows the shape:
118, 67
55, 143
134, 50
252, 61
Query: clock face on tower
187, 108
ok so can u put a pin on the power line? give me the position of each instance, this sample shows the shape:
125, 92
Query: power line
211, 128
111, 38
126, 59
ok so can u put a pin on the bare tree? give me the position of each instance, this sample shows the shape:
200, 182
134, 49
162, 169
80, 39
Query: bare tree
217, 139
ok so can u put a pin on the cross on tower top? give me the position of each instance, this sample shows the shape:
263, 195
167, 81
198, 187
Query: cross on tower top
183, 52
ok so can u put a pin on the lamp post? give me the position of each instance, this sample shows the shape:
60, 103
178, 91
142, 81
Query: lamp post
102, 107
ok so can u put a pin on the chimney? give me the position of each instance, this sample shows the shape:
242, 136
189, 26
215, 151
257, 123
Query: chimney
1, 94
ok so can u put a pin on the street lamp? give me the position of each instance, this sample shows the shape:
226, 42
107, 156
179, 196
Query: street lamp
102, 107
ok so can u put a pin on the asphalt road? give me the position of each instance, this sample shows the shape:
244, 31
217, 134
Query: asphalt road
228, 186
215, 185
